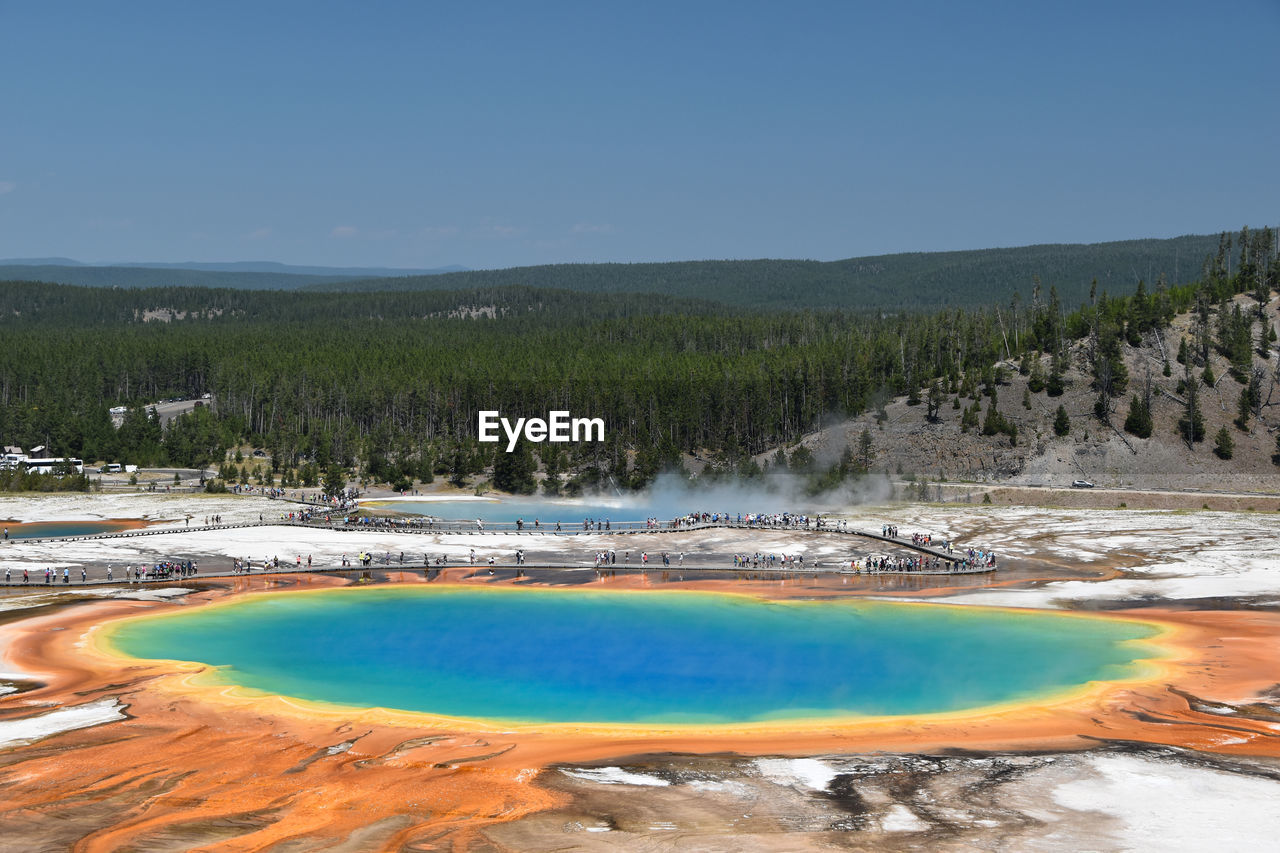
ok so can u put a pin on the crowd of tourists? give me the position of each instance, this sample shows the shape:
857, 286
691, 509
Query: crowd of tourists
380, 522
609, 557
267, 564
165, 569
919, 563
168, 569
751, 519
758, 560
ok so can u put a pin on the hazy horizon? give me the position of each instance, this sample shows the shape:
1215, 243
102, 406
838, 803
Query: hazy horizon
247, 262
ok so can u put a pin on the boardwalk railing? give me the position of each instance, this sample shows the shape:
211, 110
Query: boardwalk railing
948, 562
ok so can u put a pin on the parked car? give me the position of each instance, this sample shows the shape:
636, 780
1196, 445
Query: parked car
1081, 484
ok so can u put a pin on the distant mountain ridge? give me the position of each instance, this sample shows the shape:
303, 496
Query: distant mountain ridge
132, 277
240, 275
240, 266
291, 269
911, 281
906, 281
41, 262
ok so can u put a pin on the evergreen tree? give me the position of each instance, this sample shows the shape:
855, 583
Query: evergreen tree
1102, 407
802, 460
1056, 384
1200, 326
749, 469
1138, 422
459, 467
993, 423
848, 464
996, 423
1235, 340
1224, 445
1244, 408
1191, 424
865, 452
513, 472
1110, 376
1035, 380
935, 400
1061, 422
551, 463
1254, 391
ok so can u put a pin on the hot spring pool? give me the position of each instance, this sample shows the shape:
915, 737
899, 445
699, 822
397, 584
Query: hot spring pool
71, 527
569, 512
590, 656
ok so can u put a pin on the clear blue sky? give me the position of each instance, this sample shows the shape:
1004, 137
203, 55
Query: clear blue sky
500, 134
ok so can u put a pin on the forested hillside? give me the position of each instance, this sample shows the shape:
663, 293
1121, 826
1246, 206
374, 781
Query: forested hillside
339, 382
920, 281
387, 385
30, 303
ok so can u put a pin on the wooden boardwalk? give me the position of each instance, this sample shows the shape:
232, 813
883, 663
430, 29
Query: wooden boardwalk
951, 563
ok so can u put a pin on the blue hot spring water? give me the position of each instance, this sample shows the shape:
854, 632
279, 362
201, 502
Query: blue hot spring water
573, 655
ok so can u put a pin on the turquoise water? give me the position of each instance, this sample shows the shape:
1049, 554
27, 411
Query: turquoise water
510, 510
549, 512
49, 529
536, 655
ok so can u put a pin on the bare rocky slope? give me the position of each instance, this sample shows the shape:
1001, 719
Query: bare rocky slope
907, 445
